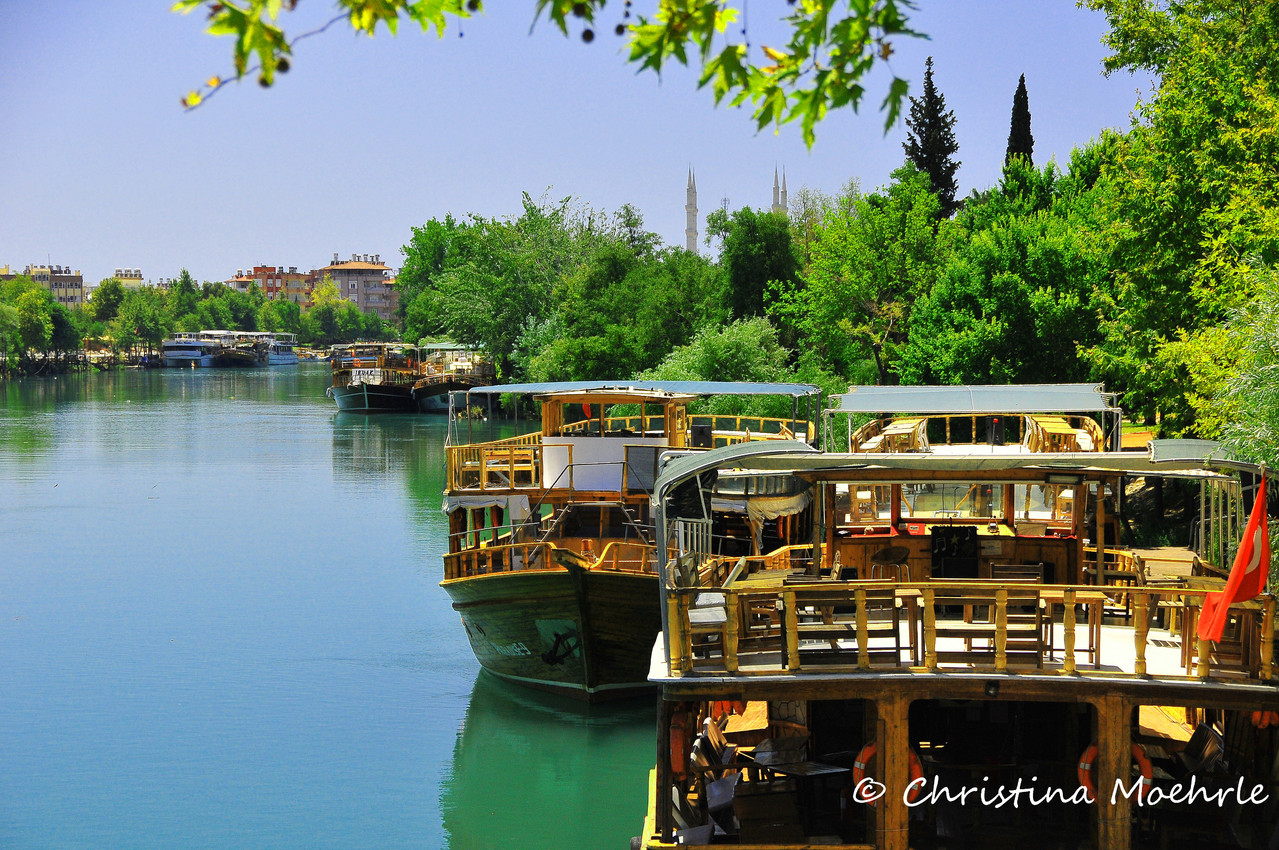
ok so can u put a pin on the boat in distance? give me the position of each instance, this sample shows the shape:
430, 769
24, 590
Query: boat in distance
551, 563
381, 377
969, 623
374, 377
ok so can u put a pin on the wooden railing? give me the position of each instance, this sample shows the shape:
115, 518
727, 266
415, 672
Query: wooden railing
727, 430
511, 464
768, 630
617, 556
510, 557
620, 556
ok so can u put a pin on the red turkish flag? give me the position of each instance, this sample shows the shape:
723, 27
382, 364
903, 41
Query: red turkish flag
1247, 576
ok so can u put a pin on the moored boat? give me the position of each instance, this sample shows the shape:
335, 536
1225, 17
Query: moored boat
374, 377
961, 663
188, 350
551, 563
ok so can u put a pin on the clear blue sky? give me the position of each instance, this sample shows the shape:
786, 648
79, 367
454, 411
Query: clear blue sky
365, 138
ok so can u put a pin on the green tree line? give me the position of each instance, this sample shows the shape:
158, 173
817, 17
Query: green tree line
37, 332
1143, 261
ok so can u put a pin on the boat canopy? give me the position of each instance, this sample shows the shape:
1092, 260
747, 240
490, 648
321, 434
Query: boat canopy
693, 387
516, 507
974, 400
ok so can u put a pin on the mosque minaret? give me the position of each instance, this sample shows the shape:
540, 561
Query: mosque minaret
690, 212
690, 205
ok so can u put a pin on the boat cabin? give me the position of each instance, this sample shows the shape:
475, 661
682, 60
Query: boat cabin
889, 682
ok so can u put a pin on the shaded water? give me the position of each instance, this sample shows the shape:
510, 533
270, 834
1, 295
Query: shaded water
220, 626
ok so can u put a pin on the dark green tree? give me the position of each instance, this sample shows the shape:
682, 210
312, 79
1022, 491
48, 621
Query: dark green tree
1020, 142
106, 298
756, 251
930, 143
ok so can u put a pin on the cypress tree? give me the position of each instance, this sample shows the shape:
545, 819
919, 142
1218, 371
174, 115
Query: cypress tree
930, 142
1020, 142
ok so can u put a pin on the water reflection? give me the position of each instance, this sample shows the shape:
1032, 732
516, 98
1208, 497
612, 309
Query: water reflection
534, 770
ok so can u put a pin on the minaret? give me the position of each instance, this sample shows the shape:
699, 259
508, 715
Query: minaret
776, 203
690, 211
785, 209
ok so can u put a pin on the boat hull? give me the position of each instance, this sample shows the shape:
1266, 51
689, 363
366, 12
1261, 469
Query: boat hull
374, 398
587, 634
186, 361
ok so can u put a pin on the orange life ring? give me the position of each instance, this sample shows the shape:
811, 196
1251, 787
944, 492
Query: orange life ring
678, 744
863, 761
1138, 754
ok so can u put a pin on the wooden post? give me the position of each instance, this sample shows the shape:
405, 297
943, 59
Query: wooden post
731, 636
930, 631
790, 629
1267, 636
1203, 650
675, 622
1143, 628
863, 632
828, 553
1001, 630
1068, 631
894, 758
662, 778
1101, 531
1114, 760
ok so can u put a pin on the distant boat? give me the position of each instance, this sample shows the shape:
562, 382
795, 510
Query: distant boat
374, 377
186, 351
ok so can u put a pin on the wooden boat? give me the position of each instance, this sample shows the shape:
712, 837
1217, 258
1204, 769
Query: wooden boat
447, 368
374, 377
869, 687
551, 563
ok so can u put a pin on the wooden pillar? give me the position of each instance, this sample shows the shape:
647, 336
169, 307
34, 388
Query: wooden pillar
664, 824
1114, 760
893, 827
1101, 531
895, 510
828, 554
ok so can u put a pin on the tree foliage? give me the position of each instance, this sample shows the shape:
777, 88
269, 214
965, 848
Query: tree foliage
1249, 402
831, 45
1020, 142
1197, 201
755, 252
931, 144
871, 259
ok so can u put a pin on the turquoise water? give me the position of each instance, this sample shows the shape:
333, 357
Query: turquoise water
220, 626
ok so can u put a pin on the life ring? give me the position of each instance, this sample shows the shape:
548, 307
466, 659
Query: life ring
722, 707
678, 744
863, 761
1138, 754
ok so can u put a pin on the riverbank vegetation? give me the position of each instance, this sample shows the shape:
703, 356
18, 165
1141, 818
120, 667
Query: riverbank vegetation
40, 335
1141, 262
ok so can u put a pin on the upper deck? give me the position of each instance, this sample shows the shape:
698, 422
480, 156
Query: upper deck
935, 572
597, 439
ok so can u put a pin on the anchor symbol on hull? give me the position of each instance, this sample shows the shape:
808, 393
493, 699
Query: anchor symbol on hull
562, 648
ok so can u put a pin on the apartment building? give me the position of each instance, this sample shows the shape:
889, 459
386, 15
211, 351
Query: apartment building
365, 280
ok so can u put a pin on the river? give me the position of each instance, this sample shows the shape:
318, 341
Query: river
221, 627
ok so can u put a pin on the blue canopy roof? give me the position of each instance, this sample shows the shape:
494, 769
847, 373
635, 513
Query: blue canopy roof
960, 400
693, 387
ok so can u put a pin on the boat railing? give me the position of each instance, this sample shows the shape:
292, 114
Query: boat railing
616, 556
501, 558
514, 463
806, 624
628, 557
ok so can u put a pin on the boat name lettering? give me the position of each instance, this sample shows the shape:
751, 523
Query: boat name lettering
514, 649
368, 376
